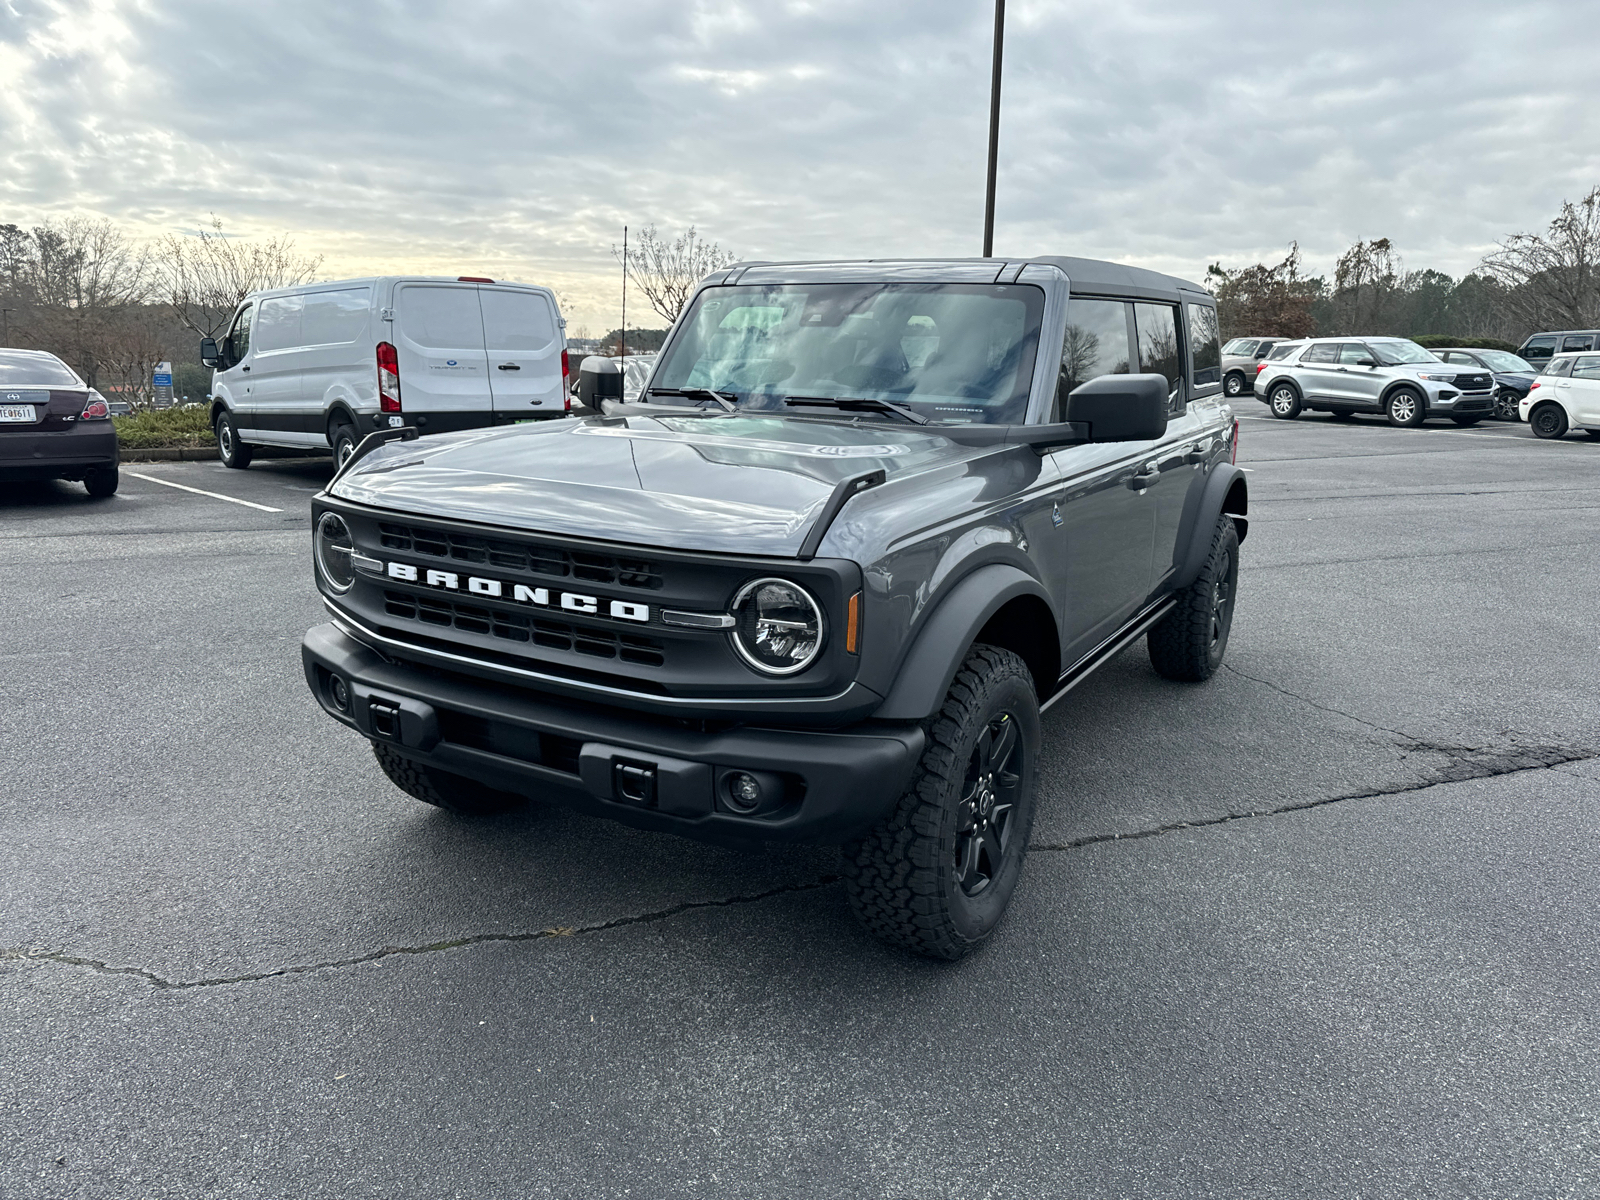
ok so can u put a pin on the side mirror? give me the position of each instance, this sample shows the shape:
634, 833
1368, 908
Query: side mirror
1366, 362
599, 379
1120, 408
208, 352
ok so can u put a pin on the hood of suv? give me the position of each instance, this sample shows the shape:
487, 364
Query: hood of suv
734, 484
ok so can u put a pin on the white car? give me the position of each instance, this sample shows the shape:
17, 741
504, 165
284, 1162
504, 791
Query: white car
1565, 396
325, 364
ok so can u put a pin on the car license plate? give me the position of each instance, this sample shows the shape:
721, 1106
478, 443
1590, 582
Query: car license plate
13, 414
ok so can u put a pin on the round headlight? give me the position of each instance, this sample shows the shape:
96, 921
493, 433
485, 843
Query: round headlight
334, 546
777, 626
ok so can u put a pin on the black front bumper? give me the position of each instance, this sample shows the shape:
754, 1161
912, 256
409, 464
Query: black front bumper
58, 453
816, 786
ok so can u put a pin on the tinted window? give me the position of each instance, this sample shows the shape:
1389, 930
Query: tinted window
1351, 353
334, 318
442, 318
1096, 344
1261, 350
1539, 347
516, 320
239, 335
1585, 342
1560, 367
1324, 352
1203, 342
278, 324
1587, 367
1157, 325
1281, 352
44, 369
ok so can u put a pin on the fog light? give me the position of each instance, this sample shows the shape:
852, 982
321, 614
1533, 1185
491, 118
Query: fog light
341, 694
744, 790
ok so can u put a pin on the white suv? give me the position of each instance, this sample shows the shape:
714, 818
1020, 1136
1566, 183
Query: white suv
1565, 396
325, 364
1392, 376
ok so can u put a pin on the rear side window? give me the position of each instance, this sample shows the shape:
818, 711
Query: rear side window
1582, 342
1587, 367
1203, 338
516, 320
335, 318
1281, 352
278, 324
1324, 352
1561, 367
1096, 344
441, 318
1158, 344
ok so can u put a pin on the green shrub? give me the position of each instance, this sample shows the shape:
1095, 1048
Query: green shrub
165, 428
1432, 341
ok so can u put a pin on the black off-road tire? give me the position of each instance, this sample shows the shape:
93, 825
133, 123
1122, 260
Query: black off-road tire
102, 482
342, 437
1187, 645
1549, 420
1406, 407
453, 793
904, 879
230, 449
1283, 399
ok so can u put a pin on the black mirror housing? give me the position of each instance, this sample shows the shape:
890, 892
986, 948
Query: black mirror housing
208, 352
1366, 362
1120, 408
599, 378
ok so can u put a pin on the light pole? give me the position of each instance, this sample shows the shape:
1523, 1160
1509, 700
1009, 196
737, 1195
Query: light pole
994, 127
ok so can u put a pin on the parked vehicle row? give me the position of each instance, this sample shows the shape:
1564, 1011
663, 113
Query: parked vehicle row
1392, 376
1241, 359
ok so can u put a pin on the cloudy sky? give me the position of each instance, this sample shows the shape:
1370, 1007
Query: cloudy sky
515, 139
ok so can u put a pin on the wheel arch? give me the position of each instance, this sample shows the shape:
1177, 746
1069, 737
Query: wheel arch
1226, 491
1403, 385
340, 413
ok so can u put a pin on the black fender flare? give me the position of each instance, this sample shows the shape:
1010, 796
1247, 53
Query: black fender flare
1194, 536
339, 413
940, 647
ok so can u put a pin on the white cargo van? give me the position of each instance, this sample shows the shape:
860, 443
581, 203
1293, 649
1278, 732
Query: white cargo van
325, 364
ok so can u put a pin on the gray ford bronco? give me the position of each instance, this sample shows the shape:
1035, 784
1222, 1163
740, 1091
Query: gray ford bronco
818, 583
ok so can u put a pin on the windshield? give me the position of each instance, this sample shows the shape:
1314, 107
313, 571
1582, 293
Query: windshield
44, 370
1394, 351
959, 353
1500, 360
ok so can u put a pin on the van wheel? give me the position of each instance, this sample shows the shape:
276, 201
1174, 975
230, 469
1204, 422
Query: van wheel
1187, 644
102, 482
453, 793
1406, 408
936, 874
1233, 384
343, 440
1548, 421
234, 453
1284, 401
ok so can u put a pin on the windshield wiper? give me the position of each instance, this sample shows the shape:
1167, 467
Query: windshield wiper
857, 402
726, 399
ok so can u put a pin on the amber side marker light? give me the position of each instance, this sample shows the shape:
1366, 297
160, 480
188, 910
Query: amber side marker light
852, 624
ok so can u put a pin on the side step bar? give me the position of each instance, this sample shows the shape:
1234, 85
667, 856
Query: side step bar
1095, 659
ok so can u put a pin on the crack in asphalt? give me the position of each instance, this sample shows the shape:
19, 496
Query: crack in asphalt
1324, 707
1488, 766
161, 983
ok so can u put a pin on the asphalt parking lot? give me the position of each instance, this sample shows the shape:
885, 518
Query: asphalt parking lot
1324, 927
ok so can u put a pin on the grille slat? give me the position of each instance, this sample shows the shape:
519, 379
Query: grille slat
514, 627
532, 557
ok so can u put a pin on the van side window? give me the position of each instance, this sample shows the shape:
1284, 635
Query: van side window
239, 336
1158, 347
1203, 338
278, 324
1096, 344
335, 318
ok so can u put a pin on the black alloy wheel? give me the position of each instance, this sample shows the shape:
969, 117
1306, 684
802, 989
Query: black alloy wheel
988, 803
1233, 384
1505, 405
1548, 421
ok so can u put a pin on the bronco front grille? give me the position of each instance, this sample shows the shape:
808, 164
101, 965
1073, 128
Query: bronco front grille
532, 557
517, 627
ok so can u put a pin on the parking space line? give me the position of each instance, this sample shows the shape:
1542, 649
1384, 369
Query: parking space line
183, 487
1504, 437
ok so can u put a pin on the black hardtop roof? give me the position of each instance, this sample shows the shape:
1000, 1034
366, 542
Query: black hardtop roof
1087, 275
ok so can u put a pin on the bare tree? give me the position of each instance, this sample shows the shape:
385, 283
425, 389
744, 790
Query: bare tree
1552, 281
78, 280
204, 277
1265, 301
667, 272
1368, 284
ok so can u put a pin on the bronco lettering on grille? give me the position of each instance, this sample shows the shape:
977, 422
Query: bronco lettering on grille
520, 593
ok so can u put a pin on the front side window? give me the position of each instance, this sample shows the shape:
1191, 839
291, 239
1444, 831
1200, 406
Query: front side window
1587, 367
1157, 325
1539, 348
1096, 344
1322, 352
956, 353
1203, 345
239, 336
1351, 354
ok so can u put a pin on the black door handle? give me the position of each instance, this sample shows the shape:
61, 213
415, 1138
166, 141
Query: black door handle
244, 368
509, 367
1198, 454
1139, 482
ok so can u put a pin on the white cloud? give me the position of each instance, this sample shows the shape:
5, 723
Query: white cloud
515, 139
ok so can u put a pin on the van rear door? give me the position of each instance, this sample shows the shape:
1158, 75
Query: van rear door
524, 352
438, 333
